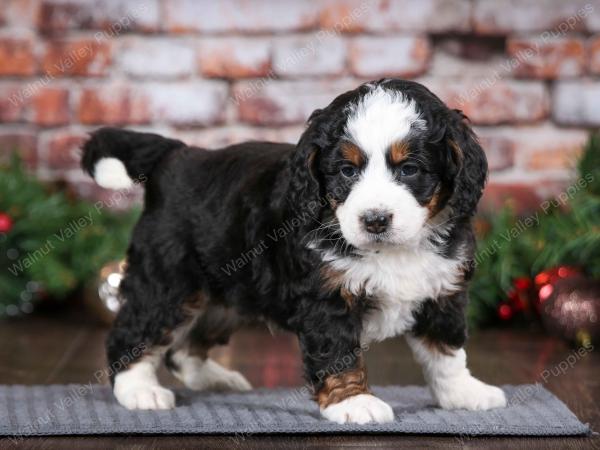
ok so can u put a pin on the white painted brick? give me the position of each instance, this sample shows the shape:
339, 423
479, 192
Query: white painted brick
156, 58
403, 56
314, 54
185, 104
577, 103
239, 15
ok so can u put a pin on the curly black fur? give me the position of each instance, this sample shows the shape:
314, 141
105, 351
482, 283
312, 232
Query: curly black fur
233, 225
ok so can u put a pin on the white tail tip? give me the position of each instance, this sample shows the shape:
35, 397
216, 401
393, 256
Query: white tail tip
110, 173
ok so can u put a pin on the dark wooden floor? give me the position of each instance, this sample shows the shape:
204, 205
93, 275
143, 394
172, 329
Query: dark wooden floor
50, 349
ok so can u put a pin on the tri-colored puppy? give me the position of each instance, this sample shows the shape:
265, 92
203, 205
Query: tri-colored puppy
374, 202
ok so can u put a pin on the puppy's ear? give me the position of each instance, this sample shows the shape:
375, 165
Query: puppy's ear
304, 191
468, 160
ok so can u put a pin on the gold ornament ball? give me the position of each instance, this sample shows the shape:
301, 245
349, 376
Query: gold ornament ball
572, 310
102, 295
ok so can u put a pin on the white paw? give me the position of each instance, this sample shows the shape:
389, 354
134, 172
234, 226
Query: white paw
469, 393
145, 397
359, 409
210, 375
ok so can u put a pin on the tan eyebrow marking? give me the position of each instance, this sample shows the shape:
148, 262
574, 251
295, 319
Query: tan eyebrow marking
353, 154
399, 152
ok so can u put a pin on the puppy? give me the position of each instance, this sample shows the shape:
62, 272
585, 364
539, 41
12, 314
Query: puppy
358, 233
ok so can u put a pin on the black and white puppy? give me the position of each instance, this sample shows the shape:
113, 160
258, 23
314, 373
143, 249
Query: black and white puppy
358, 233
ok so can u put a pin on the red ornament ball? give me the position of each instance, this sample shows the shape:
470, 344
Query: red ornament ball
545, 282
6, 223
505, 311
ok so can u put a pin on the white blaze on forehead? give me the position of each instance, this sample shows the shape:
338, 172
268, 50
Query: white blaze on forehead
381, 118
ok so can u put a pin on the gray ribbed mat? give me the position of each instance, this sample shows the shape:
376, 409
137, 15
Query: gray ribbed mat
91, 409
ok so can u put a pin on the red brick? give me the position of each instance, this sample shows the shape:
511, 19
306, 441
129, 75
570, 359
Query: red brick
114, 105
543, 147
373, 57
16, 57
527, 195
113, 17
315, 54
577, 102
51, 106
594, 55
492, 100
547, 59
550, 148
182, 104
499, 149
398, 15
520, 196
78, 57
234, 57
269, 102
62, 149
13, 103
239, 15
22, 141
551, 17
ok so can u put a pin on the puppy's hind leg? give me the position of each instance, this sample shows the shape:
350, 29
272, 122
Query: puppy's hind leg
190, 362
145, 329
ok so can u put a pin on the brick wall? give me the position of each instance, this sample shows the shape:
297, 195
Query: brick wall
527, 72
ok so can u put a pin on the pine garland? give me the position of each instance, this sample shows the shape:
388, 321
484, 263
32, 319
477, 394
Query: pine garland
55, 244
563, 231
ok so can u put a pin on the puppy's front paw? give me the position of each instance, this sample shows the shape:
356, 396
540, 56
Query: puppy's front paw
468, 392
361, 409
145, 397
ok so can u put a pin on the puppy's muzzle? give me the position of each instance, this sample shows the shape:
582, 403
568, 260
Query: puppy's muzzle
376, 221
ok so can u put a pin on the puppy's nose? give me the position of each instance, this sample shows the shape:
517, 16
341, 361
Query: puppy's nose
376, 221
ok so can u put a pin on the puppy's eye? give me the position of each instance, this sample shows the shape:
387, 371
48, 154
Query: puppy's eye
349, 171
408, 170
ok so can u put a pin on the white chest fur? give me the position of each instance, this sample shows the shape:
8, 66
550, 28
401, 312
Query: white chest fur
399, 279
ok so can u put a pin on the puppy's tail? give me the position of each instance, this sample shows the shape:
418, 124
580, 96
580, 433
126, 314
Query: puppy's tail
115, 157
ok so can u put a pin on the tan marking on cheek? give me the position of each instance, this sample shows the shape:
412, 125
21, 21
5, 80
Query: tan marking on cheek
434, 204
346, 384
353, 154
399, 152
438, 200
